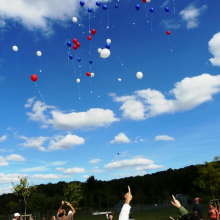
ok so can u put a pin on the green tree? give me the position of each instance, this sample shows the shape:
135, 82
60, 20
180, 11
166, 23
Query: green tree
209, 176
24, 189
12, 206
73, 193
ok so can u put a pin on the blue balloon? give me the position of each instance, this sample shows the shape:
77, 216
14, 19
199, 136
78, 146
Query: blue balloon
71, 57
68, 44
116, 6
105, 7
79, 59
82, 3
90, 61
98, 3
107, 46
137, 7
151, 9
167, 9
89, 10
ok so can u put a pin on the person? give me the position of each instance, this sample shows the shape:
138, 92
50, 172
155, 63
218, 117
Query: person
61, 214
125, 211
197, 208
109, 216
16, 216
185, 215
212, 212
53, 217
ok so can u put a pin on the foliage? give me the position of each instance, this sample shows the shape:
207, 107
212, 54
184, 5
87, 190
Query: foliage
12, 206
209, 176
73, 193
24, 189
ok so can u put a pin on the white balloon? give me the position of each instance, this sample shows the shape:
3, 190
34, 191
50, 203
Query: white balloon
78, 80
74, 19
99, 50
119, 79
108, 41
39, 53
92, 74
139, 75
15, 48
105, 53
148, 1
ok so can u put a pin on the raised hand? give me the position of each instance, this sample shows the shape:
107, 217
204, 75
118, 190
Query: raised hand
175, 202
128, 196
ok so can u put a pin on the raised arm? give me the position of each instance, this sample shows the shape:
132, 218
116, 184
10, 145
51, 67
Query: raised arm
73, 210
62, 203
125, 211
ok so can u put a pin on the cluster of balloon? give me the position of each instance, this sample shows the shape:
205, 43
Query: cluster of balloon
139, 75
105, 53
77, 44
108, 41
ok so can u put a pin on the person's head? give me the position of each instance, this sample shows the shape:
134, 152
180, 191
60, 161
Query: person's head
62, 213
16, 215
190, 217
197, 200
53, 217
211, 205
110, 216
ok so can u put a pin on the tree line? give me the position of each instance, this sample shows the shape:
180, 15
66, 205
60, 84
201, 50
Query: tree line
193, 181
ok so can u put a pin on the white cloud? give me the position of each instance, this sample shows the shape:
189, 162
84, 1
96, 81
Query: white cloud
214, 48
4, 150
73, 170
34, 169
165, 3
41, 14
29, 102
138, 163
170, 24
9, 178
121, 138
15, 157
86, 176
3, 138
47, 176
164, 138
94, 117
94, 161
96, 170
57, 142
190, 15
3, 162
35, 142
58, 163
65, 142
189, 93
6, 190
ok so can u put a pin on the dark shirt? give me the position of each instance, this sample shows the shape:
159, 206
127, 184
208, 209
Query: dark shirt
198, 209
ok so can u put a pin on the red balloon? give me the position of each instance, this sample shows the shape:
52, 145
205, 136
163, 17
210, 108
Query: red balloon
78, 44
168, 32
144, 1
93, 31
34, 78
75, 41
88, 74
89, 38
74, 47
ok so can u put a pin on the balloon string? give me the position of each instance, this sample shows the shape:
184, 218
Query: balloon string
174, 7
146, 10
115, 18
135, 19
108, 19
94, 12
120, 61
94, 44
74, 68
17, 62
40, 93
40, 64
89, 23
79, 91
101, 17
152, 17
90, 48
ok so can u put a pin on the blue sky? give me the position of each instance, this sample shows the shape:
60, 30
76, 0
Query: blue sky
111, 125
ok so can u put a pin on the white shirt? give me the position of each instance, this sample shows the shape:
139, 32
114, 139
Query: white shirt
125, 211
